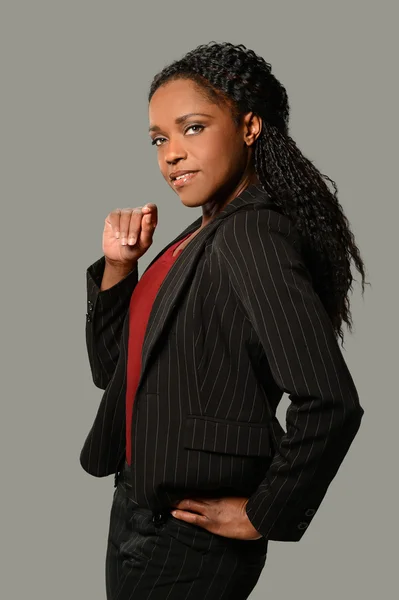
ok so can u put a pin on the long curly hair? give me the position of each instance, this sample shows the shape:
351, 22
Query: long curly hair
241, 80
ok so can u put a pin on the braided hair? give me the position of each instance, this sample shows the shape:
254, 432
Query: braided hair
241, 80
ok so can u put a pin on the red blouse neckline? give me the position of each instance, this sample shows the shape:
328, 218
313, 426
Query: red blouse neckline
172, 248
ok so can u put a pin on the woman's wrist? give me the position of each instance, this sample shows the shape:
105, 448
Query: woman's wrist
119, 266
114, 272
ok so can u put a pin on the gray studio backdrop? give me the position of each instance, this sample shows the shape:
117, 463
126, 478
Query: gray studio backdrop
74, 145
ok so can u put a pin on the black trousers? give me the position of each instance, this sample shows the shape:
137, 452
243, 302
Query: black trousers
159, 557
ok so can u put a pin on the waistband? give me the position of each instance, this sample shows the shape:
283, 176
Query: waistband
123, 479
124, 474
161, 515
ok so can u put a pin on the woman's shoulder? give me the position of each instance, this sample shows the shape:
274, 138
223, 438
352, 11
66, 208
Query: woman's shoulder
258, 219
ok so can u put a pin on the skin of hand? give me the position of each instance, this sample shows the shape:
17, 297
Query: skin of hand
224, 516
128, 233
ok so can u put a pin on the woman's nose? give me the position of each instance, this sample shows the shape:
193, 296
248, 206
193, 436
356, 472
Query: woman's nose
174, 152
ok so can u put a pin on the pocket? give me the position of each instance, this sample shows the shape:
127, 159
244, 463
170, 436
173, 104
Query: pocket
223, 436
194, 537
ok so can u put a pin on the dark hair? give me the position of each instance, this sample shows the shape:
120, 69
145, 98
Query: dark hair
237, 77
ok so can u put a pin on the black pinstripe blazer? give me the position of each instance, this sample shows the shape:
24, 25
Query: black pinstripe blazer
235, 324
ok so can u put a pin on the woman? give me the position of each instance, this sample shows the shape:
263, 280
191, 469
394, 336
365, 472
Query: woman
245, 304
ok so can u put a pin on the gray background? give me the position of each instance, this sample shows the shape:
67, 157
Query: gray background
74, 145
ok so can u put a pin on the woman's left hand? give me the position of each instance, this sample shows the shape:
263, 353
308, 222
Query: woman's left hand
224, 516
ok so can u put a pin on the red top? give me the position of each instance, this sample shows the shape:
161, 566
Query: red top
139, 312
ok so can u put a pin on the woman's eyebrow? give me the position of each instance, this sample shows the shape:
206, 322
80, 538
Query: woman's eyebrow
181, 120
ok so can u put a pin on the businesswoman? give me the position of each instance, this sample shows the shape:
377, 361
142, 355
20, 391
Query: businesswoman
248, 302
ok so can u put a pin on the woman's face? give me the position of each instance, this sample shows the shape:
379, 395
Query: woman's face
191, 133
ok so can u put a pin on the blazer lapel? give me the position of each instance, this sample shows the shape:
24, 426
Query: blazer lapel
183, 269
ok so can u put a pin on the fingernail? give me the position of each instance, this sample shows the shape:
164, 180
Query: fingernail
123, 242
132, 240
117, 234
147, 218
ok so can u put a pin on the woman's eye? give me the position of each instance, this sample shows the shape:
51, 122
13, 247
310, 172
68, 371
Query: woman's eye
201, 127
155, 141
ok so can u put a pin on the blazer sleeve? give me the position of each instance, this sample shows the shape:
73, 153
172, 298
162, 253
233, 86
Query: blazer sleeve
106, 312
260, 250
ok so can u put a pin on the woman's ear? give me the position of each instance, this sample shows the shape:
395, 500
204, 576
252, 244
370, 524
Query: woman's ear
252, 128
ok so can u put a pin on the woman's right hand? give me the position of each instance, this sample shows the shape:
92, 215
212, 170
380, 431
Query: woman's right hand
127, 235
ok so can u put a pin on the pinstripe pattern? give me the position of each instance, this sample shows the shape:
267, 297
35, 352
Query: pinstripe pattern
175, 560
235, 324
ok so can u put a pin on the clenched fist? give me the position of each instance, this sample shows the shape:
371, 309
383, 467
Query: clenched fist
127, 236
128, 233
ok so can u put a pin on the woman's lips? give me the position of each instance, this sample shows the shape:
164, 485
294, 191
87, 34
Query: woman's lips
184, 180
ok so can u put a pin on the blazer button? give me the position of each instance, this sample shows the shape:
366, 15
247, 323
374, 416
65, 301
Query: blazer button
159, 518
310, 512
90, 305
303, 525
88, 318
